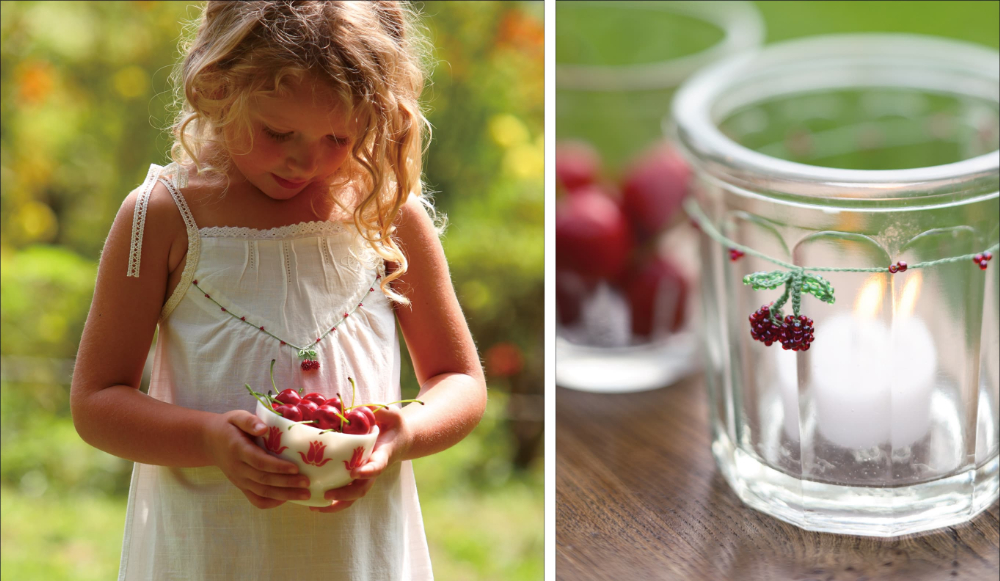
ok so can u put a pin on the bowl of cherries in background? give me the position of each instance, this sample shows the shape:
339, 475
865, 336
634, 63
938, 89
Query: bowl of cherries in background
326, 437
626, 258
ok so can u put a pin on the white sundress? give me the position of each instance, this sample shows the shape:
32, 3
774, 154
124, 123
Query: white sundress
298, 282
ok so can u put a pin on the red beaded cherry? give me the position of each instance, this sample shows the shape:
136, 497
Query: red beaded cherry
735, 255
762, 328
983, 259
893, 268
796, 333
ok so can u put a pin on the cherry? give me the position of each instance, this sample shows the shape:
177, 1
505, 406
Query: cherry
327, 418
571, 291
983, 259
762, 328
577, 164
308, 408
335, 402
289, 412
657, 294
653, 189
796, 333
289, 396
367, 411
592, 234
317, 398
358, 422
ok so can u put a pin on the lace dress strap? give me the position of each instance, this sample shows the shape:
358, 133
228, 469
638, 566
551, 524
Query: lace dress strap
172, 177
139, 219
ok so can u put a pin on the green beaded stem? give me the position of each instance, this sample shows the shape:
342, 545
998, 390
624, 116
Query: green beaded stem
797, 278
306, 350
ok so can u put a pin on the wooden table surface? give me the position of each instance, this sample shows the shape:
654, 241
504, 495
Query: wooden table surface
638, 497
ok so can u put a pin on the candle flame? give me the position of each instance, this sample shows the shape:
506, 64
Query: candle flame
908, 299
869, 300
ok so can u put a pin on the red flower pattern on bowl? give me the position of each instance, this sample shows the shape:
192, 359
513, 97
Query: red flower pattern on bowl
315, 454
356, 458
273, 441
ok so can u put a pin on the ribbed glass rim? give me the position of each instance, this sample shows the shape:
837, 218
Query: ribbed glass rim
852, 61
741, 24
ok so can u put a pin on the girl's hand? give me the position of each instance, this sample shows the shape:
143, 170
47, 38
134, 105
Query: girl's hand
266, 481
393, 441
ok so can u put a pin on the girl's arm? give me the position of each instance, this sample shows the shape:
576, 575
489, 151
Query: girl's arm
109, 411
452, 384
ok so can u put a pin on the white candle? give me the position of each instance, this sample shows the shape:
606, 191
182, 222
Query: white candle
871, 384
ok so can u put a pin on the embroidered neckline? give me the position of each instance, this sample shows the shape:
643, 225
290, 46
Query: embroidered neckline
300, 229
305, 352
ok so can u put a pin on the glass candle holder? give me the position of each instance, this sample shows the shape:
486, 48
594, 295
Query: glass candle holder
618, 66
861, 154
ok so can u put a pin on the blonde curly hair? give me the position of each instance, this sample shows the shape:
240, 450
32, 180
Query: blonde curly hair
368, 53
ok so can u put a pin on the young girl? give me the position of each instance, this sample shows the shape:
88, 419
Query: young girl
290, 221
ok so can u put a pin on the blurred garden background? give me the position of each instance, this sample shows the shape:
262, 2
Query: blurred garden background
85, 97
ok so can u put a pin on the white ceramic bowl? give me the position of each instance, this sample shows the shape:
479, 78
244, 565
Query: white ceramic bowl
324, 458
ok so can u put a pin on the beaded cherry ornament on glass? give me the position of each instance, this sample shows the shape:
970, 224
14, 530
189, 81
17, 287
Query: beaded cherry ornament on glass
795, 332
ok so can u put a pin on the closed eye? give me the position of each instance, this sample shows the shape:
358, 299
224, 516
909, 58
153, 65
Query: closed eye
277, 136
280, 137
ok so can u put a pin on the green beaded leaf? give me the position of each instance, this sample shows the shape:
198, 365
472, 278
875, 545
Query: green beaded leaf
307, 354
768, 280
818, 287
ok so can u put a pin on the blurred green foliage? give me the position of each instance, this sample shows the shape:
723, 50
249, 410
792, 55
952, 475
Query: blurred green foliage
85, 101
621, 123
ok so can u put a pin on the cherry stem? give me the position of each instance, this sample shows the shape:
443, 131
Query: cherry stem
302, 422
354, 393
272, 377
385, 405
257, 396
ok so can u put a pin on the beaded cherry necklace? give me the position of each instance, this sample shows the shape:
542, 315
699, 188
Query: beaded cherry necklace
306, 353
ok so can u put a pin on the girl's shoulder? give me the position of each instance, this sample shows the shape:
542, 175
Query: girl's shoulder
157, 225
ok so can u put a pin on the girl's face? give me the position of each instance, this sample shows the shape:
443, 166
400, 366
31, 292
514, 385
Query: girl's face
298, 140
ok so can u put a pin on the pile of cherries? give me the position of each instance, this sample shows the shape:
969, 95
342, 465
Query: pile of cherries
328, 414
607, 232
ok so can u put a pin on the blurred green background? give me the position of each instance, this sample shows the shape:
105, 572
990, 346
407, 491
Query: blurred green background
85, 95
639, 32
